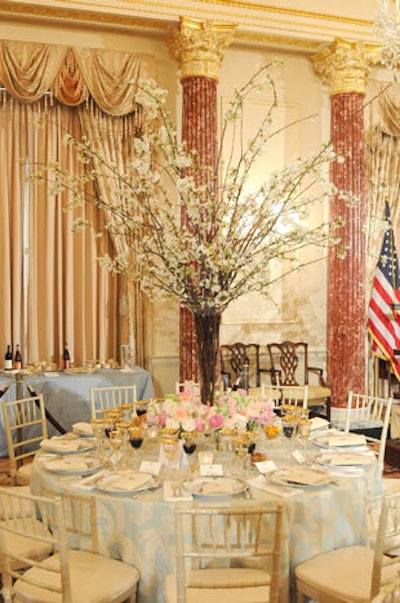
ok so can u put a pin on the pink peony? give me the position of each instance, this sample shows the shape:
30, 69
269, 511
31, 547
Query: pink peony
216, 421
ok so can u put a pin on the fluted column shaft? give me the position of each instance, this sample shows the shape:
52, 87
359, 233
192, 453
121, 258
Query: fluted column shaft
199, 130
198, 46
345, 66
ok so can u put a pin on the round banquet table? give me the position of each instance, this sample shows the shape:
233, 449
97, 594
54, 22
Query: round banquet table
140, 530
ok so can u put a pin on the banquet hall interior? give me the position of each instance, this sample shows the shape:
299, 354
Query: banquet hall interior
72, 304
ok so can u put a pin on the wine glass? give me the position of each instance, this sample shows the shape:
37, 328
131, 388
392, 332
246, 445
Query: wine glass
141, 408
136, 440
189, 441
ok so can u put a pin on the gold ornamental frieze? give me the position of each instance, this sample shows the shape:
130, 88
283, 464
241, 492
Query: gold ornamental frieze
199, 46
344, 65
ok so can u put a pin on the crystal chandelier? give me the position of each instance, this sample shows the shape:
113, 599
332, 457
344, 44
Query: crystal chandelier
387, 29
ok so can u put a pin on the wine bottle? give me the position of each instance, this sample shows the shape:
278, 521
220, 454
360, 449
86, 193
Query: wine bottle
8, 359
66, 357
17, 359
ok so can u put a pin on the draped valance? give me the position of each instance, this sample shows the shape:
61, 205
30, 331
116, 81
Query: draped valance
29, 71
383, 108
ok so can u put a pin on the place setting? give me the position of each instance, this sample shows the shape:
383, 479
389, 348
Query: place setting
67, 445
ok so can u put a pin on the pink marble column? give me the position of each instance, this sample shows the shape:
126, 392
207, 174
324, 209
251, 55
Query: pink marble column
199, 130
346, 286
198, 46
344, 66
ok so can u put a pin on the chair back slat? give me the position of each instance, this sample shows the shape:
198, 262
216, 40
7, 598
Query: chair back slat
102, 398
369, 413
206, 535
25, 426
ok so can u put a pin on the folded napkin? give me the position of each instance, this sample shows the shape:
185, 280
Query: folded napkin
65, 445
218, 486
261, 483
318, 423
348, 459
83, 428
66, 465
347, 439
173, 492
90, 482
305, 477
125, 482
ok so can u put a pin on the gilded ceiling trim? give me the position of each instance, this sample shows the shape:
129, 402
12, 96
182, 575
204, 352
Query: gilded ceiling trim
176, 9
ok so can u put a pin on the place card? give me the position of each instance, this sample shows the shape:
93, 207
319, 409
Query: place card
298, 456
266, 466
152, 467
211, 470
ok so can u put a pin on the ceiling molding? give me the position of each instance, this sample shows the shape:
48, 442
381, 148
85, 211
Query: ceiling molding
271, 24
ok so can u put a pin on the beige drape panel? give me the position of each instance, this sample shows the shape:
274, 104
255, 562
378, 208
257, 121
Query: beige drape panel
113, 138
70, 296
382, 166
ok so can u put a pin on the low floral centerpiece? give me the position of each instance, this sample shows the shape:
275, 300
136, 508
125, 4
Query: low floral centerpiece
232, 410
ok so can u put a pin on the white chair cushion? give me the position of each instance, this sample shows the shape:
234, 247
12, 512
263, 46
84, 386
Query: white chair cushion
24, 474
94, 579
213, 582
23, 545
343, 573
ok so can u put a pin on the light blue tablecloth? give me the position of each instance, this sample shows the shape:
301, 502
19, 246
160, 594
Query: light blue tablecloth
67, 396
140, 531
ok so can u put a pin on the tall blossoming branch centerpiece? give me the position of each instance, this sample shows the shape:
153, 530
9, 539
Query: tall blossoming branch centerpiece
231, 234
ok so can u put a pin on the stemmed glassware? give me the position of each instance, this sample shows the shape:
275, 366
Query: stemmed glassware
99, 434
242, 453
135, 439
116, 438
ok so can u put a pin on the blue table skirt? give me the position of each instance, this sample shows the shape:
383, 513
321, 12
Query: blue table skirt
67, 396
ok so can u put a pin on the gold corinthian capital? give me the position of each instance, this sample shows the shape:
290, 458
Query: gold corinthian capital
344, 65
199, 46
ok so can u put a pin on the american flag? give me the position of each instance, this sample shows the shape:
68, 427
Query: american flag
383, 319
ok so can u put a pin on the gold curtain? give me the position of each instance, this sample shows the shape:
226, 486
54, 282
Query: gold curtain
382, 166
113, 138
69, 294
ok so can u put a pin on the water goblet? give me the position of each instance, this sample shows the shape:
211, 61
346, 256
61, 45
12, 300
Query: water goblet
116, 439
97, 424
241, 444
171, 449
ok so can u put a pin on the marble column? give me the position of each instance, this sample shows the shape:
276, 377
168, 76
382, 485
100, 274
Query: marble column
199, 47
344, 66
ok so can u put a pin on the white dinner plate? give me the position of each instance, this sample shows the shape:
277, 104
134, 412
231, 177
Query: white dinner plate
126, 482
299, 477
345, 459
72, 465
67, 446
215, 487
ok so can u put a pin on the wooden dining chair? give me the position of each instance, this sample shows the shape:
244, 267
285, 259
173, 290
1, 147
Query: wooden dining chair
70, 574
289, 366
236, 537
353, 573
111, 397
25, 427
234, 357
